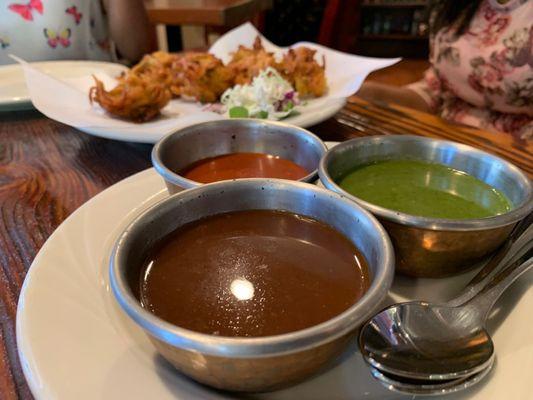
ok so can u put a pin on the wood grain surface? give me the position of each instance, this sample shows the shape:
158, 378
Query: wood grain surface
227, 13
47, 170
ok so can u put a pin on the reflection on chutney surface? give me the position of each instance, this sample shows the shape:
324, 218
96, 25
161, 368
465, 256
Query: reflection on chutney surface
252, 273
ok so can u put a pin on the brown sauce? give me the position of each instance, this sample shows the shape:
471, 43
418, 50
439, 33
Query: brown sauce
253, 273
243, 165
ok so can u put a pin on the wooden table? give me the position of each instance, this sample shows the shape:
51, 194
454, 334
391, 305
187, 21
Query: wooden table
48, 169
227, 13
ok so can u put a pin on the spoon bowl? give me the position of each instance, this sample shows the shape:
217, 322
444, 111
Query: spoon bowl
419, 340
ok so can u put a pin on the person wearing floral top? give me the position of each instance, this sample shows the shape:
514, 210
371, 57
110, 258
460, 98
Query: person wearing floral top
38, 30
481, 70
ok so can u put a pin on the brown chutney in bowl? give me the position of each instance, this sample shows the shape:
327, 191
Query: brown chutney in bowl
256, 363
253, 273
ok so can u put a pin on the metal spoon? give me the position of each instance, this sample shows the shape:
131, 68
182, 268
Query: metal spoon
429, 387
421, 340
516, 246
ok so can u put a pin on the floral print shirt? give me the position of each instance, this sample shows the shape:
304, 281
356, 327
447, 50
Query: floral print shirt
484, 77
38, 30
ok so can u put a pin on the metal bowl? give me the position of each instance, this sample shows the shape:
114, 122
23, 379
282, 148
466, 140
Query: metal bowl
251, 364
433, 247
210, 139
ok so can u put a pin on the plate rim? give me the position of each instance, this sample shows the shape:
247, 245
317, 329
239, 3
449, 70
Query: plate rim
20, 340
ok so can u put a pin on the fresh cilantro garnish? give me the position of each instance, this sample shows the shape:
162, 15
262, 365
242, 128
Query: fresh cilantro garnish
238, 112
288, 106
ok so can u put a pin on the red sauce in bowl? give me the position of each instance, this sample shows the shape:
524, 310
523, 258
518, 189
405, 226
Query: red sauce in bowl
243, 165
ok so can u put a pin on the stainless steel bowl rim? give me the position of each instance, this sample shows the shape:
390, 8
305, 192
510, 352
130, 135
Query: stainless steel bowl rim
440, 224
181, 181
244, 347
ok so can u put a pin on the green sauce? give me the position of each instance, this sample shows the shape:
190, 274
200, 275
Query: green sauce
425, 189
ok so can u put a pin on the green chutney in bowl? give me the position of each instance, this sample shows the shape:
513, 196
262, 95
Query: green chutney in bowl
445, 205
424, 189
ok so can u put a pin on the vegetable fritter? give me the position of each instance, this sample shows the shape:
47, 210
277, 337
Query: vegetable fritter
147, 87
303, 72
136, 98
248, 63
200, 76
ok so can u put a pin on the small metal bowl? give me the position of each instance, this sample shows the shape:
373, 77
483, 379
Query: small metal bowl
263, 363
180, 149
433, 247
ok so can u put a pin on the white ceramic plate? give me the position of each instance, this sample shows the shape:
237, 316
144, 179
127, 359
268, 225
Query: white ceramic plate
14, 93
309, 116
75, 343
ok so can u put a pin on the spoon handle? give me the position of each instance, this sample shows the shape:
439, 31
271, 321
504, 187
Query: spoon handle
485, 299
514, 248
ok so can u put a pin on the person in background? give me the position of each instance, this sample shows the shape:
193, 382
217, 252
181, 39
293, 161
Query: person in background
481, 74
38, 30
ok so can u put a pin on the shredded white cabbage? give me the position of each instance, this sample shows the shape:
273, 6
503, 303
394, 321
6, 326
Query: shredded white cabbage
269, 96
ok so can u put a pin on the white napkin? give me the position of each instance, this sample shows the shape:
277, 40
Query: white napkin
67, 100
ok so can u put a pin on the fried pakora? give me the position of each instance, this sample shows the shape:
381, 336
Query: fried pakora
136, 97
200, 76
156, 66
147, 87
248, 63
307, 76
